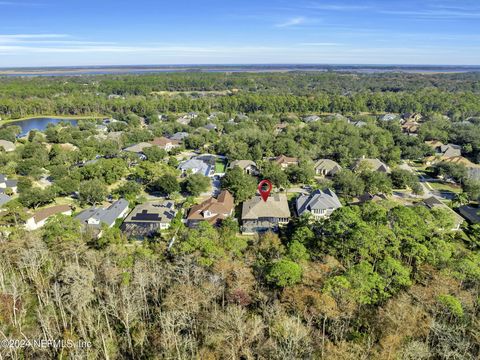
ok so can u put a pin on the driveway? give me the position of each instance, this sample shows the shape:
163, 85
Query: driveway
428, 191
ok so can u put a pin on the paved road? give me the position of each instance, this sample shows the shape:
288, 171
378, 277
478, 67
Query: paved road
428, 191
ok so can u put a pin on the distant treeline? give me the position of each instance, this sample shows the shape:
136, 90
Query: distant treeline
452, 94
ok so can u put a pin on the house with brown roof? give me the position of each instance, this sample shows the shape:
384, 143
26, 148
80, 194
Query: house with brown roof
285, 161
412, 117
410, 128
261, 216
212, 210
165, 143
40, 218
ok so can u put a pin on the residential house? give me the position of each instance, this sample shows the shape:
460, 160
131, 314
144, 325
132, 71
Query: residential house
165, 143
5, 183
212, 116
248, 166
196, 166
285, 161
337, 117
260, 216
4, 198
311, 118
148, 219
101, 128
411, 128
184, 120
138, 148
320, 204
94, 217
241, 117
115, 96
412, 117
435, 203
472, 214
371, 164
179, 136
40, 218
357, 123
388, 117
445, 151
7, 146
367, 197
474, 172
326, 167
212, 210
450, 150
210, 127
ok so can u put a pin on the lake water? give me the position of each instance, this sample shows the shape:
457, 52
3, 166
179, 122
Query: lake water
39, 124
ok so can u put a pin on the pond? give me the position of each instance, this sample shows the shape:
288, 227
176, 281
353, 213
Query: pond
39, 124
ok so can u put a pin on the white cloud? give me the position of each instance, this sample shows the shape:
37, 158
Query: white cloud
319, 44
299, 20
334, 7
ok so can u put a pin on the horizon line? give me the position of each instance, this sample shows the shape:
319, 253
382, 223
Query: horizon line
232, 65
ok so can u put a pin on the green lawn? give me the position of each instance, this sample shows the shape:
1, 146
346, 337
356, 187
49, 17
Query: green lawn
445, 187
220, 166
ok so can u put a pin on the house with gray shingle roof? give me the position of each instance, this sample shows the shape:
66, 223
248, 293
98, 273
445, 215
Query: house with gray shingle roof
4, 199
435, 203
389, 117
248, 166
8, 146
326, 167
321, 204
261, 216
210, 126
371, 164
5, 183
94, 217
196, 166
138, 148
179, 136
449, 150
311, 118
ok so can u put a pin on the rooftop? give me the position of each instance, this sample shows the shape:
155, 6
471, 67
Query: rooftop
276, 206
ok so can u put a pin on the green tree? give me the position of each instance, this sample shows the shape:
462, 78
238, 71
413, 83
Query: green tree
167, 184
154, 153
401, 179
129, 190
241, 185
92, 192
275, 174
284, 272
196, 184
349, 183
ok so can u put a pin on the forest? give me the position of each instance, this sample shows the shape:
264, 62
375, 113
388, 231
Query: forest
375, 280
455, 95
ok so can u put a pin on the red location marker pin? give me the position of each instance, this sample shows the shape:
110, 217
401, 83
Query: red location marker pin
265, 193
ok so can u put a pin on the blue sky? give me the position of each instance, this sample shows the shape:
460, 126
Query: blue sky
120, 32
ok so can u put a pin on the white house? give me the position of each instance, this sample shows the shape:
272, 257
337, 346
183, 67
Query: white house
40, 218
